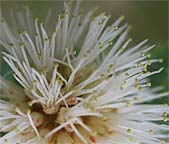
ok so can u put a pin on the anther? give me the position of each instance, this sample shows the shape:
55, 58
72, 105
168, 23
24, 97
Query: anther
110, 43
149, 56
162, 142
128, 130
136, 99
79, 24
149, 84
115, 27
100, 45
142, 53
11, 44
151, 131
165, 114
160, 60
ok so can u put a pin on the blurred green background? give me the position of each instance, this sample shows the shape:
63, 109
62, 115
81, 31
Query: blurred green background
149, 19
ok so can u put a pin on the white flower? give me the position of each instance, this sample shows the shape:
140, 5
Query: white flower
80, 84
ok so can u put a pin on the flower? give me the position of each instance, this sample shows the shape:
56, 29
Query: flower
80, 84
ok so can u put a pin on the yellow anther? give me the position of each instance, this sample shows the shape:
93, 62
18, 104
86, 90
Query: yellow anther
17, 130
108, 78
19, 32
136, 99
115, 27
28, 111
110, 43
151, 131
145, 69
105, 16
166, 105
130, 39
100, 23
66, 13
149, 84
44, 70
75, 52
142, 53
122, 17
122, 87
141, 73
85, 56
111, 66
131, 139
35, 81
145, 66
128, 130
94, 133
140, 88
40, 55
36, 19
165, 114
136, 86
102, 75
100, 45
68, 3
160, 60
23, 31
79, 24
95, 99
105, 118
108, 70
11, 44
94, 18
88, 106
149, 55
136, 81
148, 72
127, 74
128, 103
162, 142
148, 62
46, 39
138, 64
88, 51
121, 49
56, 65
165, 119
22, 45
29, 103
36, 34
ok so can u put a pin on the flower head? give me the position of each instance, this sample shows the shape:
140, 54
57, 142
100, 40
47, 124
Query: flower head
80, 84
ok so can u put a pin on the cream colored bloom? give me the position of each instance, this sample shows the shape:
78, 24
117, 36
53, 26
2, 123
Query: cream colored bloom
80, 84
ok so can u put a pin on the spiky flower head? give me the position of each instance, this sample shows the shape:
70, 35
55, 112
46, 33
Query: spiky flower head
79, 84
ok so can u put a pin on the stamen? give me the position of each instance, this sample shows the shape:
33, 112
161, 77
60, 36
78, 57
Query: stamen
33, 125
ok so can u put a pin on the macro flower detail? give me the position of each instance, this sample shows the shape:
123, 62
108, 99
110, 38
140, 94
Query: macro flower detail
80, 83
